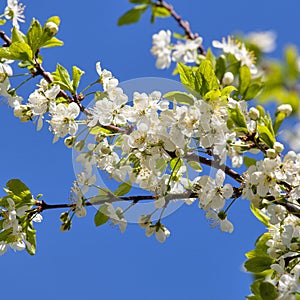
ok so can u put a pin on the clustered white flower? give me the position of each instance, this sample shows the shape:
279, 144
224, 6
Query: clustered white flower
239, 50
186, 52
155, 132
14, 12
10, 223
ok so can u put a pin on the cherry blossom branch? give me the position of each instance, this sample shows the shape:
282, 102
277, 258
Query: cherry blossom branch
42, 205
183, 24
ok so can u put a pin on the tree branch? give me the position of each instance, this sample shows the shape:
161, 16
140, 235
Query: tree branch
183, 24
5, 38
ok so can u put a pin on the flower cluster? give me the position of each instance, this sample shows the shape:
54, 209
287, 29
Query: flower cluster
186, 52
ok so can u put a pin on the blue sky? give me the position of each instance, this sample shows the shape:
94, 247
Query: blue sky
196, 262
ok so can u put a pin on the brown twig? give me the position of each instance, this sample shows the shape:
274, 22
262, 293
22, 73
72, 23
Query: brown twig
5, 38
183, 24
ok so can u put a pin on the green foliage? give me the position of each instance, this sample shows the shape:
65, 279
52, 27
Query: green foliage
133, 15
249, 161
159, 12
200, 80
179, 97
260, 215
195, 166
123, 189
237, 119
263, 290
102, 215
61, 76
76, 75
281, 79
245, 78
258, 264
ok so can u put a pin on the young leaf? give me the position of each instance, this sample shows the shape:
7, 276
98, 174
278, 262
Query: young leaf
278, 121
249, 161
102, 215
245, 78
21, 51
195, 165
34, 35
268, 291
159, 12
260, 215
133, 15
18, 36
266, 135
123, 189
220, 67
76, 75
258, 264
62, 77
253, 90
179, 97
209, 79
18, 188
53, 42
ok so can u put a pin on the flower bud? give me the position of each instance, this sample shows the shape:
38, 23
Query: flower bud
70, 141
285, 108
228, 78
254, 113
51, 28
271, 153
79, 145
278, 147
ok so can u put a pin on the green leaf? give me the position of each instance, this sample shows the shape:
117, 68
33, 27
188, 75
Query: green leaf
268, 291
161, 164
210, 56
195, 165
5, 53
53, 42
18, 188
213, 95
255, 289
180, 97
253, 90
123, 189
226, 92
62, 77
133, 15
2, 21
159, 12
76, 75
249, 161
176, 164
260, 215
245, 78
21, 51
102, 215
209, 79
31, 238
266, 135
34, 35
187, 77
291, 59
278, 121
18, 36
261, 247
99, 129
220, 67
258, 264
238, 117
4, 234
